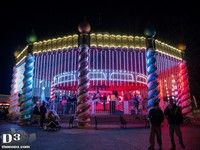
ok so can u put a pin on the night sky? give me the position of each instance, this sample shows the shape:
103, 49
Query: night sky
175, 22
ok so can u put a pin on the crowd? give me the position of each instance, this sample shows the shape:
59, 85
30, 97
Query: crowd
134, 101
42, 115
156, 116
48, 118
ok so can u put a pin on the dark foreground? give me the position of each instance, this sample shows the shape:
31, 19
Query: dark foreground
102, 139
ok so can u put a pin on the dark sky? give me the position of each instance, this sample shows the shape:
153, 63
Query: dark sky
175, 22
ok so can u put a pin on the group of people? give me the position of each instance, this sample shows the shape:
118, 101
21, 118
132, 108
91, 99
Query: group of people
42, 115
135, 101
111, 98
174, 117
156, 117
66, 104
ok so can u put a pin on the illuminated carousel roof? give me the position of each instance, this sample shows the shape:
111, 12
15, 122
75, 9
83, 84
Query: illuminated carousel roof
102, 41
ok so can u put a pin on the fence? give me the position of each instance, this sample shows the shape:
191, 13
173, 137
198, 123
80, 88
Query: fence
99, 107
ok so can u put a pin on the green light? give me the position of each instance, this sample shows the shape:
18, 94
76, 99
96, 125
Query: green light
150, 31
31, 38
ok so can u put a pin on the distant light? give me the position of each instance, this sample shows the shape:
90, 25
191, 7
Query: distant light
181, 46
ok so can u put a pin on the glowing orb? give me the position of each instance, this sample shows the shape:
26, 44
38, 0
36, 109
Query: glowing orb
84, 27
181, 46
150, 31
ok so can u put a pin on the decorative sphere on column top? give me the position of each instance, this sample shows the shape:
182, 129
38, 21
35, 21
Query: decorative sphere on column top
181, 46
84, 27
31, 38
150, 32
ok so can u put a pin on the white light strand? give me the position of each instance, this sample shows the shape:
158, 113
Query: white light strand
132, 62
109, 61
117, 66
101, 61
105, 54
68, 63
135, 65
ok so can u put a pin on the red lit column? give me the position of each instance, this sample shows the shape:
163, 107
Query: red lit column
184, 92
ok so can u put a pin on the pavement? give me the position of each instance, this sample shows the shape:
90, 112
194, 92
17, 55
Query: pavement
105, 138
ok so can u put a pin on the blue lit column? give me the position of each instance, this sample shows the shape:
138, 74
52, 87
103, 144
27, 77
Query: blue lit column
152, 77
82, 112
26, 103
26, 99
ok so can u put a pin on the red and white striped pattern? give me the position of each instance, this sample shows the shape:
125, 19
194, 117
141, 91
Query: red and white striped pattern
52, 94
184, 94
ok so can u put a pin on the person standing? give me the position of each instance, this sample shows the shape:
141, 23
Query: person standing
174, 116
104, 102
36, 114
156, 118
94, 101
136, 103
43, 112
5, 113
113, 99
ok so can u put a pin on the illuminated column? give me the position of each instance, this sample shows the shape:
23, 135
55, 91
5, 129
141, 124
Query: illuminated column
27, 95
14, 108
82, 112
152, 77
52, 92
166, 89
184, 92
174, 89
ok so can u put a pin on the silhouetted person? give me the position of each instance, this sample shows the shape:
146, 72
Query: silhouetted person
175, 118
122, 122
113, 100
136, 103
95, 121
43, 112
74, 103
5, 113
155, 117
36, 113
104, 102
71, 121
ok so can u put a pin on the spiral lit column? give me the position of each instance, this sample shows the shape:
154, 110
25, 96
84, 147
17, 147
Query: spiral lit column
14, 108
26, 98
52, 92
152, 77
184, 92
82, 112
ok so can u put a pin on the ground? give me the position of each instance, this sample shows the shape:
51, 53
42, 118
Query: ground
102, 139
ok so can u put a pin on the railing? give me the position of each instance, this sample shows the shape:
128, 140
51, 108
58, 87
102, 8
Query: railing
100, 108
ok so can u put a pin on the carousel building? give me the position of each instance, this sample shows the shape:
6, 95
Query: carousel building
115, 62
